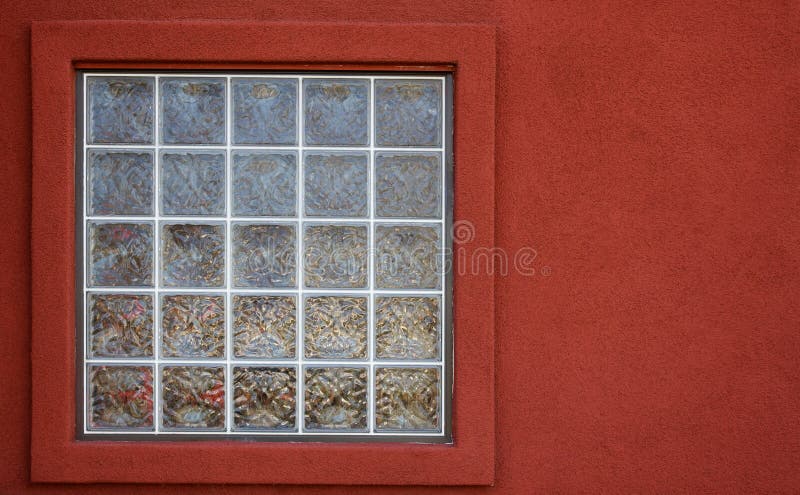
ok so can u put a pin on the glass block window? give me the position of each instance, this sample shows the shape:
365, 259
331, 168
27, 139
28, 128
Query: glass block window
263, 256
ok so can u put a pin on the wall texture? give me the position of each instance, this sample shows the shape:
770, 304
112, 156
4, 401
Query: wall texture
649, 152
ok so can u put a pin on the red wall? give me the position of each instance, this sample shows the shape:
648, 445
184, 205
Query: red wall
649, 153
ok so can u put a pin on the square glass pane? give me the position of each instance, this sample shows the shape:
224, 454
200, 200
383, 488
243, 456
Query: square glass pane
336, 112
120, 325
264, 183
192, 110
336, 327
408, 185
408, 112
407, 327
408, 257
120, 254
120, 182
271, 239
336, 184
120, 397
407, 398
193, 397
264, 327
264, 255
336, 398
120, 110
335, 256
192, 183
264, 398
192, 326
192, 255
264, 111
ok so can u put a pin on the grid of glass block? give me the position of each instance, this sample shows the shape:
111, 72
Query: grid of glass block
263, 255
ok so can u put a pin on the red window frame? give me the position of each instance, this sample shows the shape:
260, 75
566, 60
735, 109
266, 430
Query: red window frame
61, 48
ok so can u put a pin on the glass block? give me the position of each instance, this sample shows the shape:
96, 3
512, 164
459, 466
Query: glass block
120, 110
336, 112
407, 399
120, 182
192, 110
193, 397
335, 327
192, 255
192, 183
264, 255
408, 185
192, 326
336, 184
264, 398
408, 112
120, 254
407, 257
120, 325
264, 326
264, 184
407, 327
335, 256
120, 397
264, 111
336, 398
226, 317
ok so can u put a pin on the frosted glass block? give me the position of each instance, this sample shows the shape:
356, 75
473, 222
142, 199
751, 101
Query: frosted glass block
120, 254
407, 398
336, 112
336, 398
264, 398
264, 111
264, 255
264, 184
192, 110
120, 110
192, 255
407, 327
336, 184
120, 182
408, 185
336, 327
120, 325
335, 256
192, 326
264, 326
408, 112
408, 257
193, 397
192, 183
120, 397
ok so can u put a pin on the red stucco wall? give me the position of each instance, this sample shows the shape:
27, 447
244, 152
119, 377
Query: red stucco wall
649, 153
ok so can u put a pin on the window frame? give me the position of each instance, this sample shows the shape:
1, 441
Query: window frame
59, 49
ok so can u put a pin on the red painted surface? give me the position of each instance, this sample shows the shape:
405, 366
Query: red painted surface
649, 153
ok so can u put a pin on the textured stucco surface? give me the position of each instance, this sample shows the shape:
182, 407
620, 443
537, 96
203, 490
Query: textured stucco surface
648, 152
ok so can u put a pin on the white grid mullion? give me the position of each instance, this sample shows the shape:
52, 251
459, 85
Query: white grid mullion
299, 220
332, 220
156, 261
218, 147
229, 393
300, 383
371, 269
